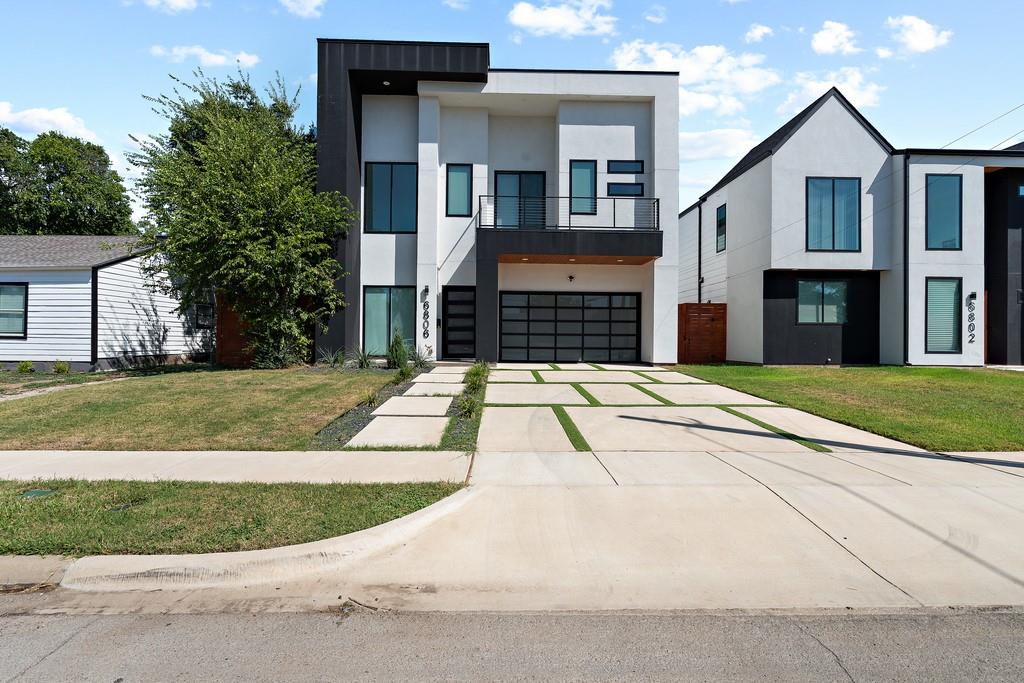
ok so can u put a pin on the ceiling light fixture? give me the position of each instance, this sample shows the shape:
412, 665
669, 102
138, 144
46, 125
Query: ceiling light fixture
386, 82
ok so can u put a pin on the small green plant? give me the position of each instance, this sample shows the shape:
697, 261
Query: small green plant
26, 366
362, 358
419, 360
332, 359
370, 400
476, 377
398, 354
61, 367
469, 405
404, 374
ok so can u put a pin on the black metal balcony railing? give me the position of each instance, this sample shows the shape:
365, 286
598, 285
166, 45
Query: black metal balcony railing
568, 213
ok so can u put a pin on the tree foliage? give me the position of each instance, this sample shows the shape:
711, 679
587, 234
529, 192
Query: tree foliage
59, 185
233, 208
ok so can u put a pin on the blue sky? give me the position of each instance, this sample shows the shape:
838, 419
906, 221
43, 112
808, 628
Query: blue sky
923, 72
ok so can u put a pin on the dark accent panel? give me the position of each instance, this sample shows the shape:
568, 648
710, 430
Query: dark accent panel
347, 69
1004, 258
486, 303
493, 242
458, 324
853, 343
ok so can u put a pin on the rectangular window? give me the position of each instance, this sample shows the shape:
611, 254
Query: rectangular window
833, 214
720, 229
387, 310
625, 189
942, 314
460, 190
390, 197
623, 166
943, 211
583, 187
821, 302
13, 310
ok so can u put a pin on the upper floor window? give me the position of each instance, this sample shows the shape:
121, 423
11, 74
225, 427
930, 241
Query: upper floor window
582, 186
943, 211
459, 185
623, 166
390, 197
833, 214
625, 189
13, 310
720, 229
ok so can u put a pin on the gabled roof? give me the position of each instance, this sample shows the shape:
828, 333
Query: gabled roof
1015, 148
773, 142
63, 251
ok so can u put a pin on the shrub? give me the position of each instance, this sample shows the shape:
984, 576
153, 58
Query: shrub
419, 360
404, 374
476, 377
61, 367
26, 366
361, 358
398, 355
469, 405
370, 400
332, 359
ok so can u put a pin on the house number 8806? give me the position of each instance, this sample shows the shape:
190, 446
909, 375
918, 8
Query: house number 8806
426, 319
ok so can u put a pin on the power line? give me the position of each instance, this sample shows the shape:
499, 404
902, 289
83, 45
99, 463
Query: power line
983, 125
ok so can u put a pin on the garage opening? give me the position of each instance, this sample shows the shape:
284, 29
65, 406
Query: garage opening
569, 327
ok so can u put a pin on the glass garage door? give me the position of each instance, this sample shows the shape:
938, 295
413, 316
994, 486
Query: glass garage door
555, 326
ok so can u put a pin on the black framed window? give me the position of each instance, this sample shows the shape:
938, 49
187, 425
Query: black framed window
720, 219
583, 186
943, 212
942, 318
390, 201
386, 311
821, 302
626, 166
625, 189
833, 214
13, 310
459, 188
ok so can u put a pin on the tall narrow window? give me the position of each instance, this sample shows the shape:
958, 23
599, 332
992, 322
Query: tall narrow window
943, 299
460, 190
821, 302
833, 214
390, 197
720, 229
387, 311
13, 310
943, 214
582, 186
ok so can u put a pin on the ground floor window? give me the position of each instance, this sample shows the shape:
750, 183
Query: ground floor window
942, 314
386, 311
821, 302
13, 310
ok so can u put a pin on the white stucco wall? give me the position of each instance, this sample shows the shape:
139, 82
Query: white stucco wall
59, 316
523, 143
464, 140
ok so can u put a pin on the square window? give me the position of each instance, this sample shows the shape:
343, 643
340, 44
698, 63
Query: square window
13, 310
821, 302
388, 311
833, 214
390, 197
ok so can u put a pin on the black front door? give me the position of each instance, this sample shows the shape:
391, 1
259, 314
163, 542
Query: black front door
458, 314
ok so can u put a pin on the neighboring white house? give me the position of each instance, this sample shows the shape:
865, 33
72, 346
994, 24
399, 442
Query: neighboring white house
515, 215
85, 300
831, 246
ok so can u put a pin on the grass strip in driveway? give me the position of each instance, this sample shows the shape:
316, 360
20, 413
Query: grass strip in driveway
591, 399
134, 517
571, 430
781, 432
650, 393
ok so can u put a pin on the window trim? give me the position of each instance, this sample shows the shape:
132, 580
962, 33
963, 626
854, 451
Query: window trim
363, 321
960, 233
643, 191
447, 195
725, 228
821, 303
593, 164
24, 314
391, 230
959, 318
807, 216
608, 166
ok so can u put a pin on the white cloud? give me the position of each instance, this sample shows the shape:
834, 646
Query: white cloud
710, 76
656, 14
40, 120
307, 9
757, 33
180, 53
456, 4
883, 52
568, 19
172, 6
851, 80
916, 35
720, 143
834, 38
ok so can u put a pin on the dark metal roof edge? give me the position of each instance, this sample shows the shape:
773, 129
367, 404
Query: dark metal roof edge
426, 43
930, 151
690, 208
585, 71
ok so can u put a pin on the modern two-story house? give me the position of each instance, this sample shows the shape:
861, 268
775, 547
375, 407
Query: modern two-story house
828, 245
504, 214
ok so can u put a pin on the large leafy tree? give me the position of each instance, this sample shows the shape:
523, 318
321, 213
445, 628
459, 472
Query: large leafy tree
59, 185
233, 208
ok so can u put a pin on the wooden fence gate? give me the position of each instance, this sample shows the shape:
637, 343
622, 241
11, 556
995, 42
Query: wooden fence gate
702, 333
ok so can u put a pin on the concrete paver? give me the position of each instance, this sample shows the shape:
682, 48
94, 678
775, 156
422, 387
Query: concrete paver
1009, 462
521, 366
804, 468
619, 394
676, 378
696, 394
574, 366
521, 430
401, 431
660, 468
511, 376
590, 376
833, 435
431, 389
524, 394
632, 367
443, 378
450, 370
571, 468
668, 428
414, 405
926, 469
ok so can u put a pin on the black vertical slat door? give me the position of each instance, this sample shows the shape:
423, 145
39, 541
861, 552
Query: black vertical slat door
458, 311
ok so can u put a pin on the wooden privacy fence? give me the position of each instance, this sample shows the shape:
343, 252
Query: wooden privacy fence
702, 333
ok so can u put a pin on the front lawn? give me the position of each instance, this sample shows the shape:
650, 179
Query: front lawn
190, 410
17, 383
941, 409
133, 517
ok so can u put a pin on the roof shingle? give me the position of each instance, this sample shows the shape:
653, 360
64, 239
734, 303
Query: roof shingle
63, 251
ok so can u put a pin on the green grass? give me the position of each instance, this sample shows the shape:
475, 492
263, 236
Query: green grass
781, 432
537, 377
17, 383
198, 410
110, 517
941, 409
571, 430
591, 399
463, 426
650, 393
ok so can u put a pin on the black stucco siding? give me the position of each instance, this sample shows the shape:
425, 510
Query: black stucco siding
1004, 259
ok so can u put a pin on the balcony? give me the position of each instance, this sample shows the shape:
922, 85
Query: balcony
567, 213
